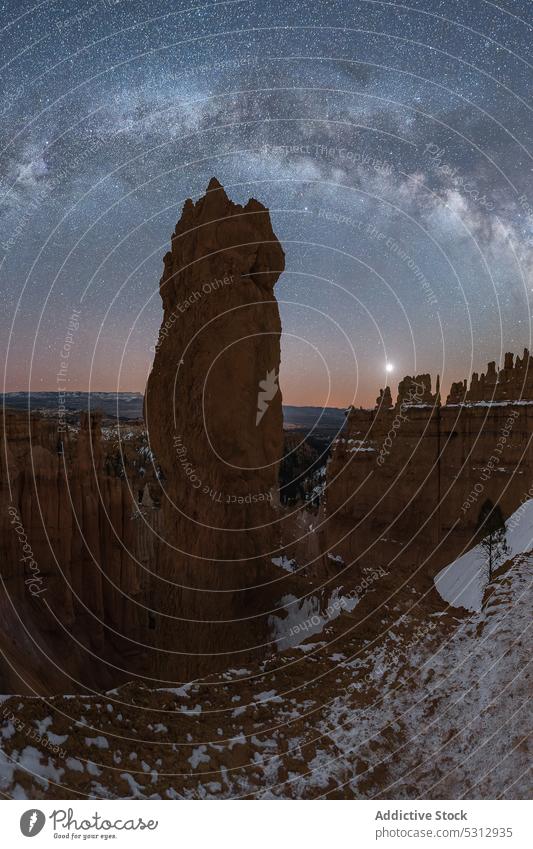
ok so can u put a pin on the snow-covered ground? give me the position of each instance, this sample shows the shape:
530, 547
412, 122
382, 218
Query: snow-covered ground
435, 707
463, 582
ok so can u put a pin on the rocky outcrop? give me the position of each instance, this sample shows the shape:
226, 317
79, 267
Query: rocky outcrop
408, 486
417, 390
213, 412
384, 400
513, 382
74, 550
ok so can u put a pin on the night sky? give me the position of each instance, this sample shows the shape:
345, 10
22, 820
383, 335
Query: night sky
392, 143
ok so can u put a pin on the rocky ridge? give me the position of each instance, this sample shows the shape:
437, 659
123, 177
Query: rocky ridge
409, 482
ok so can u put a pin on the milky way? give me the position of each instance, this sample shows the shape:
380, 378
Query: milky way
392, 143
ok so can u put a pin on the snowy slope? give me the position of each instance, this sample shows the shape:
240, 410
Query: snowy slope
463, 582
435, 708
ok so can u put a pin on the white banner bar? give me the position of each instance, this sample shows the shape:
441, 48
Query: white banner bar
252, 825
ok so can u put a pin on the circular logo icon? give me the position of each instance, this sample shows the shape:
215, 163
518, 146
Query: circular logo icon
32, 822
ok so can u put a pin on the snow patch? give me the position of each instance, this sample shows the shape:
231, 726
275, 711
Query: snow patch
463, 582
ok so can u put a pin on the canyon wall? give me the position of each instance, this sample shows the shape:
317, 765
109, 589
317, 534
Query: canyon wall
409, 484
214, 416
74, 547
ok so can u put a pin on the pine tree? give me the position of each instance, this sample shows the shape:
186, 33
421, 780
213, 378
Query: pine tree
491, 530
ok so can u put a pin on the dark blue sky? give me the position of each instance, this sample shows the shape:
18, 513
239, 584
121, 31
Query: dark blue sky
391, 141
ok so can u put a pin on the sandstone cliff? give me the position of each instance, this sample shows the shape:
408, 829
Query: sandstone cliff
408, 485
74, 550
213, 412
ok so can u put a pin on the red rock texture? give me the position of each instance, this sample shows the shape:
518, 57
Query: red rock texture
73, 555
214, 416
407, 485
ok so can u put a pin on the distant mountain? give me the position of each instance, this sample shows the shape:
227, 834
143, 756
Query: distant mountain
129, 405
330, 418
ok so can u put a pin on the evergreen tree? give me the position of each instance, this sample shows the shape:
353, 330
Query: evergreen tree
491, 530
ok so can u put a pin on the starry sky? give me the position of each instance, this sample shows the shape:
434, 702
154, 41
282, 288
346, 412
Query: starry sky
392, 143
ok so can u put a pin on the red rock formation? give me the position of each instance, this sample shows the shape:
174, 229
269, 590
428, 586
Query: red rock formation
513, 382
72, 559
213, 411
458, 392
384, 402
416, 390
407, 486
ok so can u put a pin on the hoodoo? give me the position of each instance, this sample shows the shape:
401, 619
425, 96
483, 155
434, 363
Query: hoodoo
214, 416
